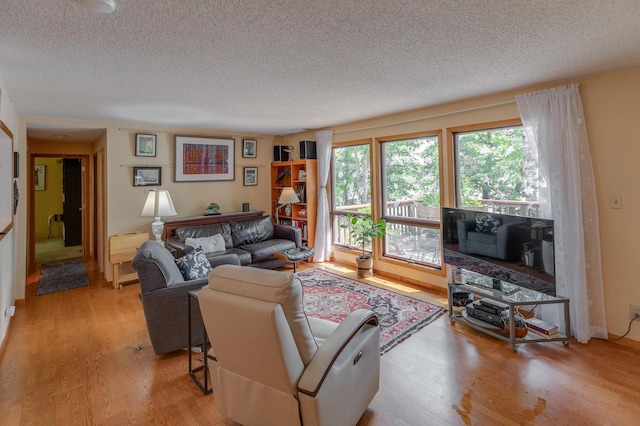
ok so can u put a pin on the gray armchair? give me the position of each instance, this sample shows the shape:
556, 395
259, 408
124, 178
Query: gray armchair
164, 294
273, 365
505, 242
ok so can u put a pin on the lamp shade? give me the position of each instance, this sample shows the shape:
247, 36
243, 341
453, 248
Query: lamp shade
158, 204
288, 196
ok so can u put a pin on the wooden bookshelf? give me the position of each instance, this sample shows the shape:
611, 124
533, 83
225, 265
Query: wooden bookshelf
302, 176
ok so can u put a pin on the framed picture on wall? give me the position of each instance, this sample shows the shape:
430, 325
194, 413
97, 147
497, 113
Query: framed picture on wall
145, 145
200, 158
143, 176
40, 178
249, 148
250, 176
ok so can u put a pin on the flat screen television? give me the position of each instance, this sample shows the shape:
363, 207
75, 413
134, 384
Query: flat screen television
515, 249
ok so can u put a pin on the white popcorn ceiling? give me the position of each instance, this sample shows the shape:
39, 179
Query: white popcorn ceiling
280, 66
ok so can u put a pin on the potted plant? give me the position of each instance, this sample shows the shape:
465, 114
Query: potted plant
363, 229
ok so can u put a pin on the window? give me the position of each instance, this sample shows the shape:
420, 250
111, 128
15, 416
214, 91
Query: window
351, 188
495, 171
411, 198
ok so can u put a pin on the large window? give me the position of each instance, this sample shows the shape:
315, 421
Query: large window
351, 187
496, 172
411, 198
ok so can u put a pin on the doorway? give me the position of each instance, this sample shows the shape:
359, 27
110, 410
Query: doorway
58, 208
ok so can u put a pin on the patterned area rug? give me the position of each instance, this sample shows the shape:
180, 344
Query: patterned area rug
332, 297
63, 275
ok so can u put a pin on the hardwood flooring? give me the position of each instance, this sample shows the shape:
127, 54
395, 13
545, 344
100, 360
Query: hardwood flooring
83, 357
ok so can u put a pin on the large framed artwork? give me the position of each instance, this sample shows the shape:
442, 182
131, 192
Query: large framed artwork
200, 158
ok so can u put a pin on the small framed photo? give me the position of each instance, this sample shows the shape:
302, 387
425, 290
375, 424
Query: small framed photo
145, 145
40, 178
143, 176
250, 176
249, 148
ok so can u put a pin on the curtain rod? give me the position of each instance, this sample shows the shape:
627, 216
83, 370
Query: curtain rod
411, 120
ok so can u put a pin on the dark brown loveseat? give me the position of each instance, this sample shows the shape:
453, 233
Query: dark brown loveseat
254, 240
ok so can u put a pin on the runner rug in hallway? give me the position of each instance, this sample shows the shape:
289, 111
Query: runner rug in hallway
331, 296
62, 275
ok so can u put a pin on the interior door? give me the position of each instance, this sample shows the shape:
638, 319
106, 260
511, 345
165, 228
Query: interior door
72, 201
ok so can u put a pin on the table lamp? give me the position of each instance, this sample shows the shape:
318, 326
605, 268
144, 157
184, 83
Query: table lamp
287, 196
158, 204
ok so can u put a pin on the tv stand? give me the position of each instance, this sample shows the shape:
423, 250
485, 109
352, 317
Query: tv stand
478, 287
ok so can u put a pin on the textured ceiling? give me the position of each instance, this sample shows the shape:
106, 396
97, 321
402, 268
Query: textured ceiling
280, 66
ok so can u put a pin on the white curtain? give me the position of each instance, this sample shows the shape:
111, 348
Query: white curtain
554, 123
322, 246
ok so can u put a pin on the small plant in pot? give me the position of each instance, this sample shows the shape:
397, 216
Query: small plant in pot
363, 230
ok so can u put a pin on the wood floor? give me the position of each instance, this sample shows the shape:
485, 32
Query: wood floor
73, 358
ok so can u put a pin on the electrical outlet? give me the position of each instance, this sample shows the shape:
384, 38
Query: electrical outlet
633, 310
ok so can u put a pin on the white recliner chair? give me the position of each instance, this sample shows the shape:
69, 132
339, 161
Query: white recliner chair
271, 365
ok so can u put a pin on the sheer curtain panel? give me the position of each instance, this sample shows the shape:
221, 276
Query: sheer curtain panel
554, 123
324, 141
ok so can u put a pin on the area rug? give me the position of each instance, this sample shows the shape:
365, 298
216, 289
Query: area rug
62, 275
331, 296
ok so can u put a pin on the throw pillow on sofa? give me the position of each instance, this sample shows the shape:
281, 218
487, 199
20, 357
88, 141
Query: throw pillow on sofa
209, 244
486, 223
194, 265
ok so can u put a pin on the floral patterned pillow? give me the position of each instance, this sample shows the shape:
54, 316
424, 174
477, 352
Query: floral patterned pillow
194, 265
486, 223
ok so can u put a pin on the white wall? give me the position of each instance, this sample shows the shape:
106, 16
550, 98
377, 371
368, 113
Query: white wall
10, 268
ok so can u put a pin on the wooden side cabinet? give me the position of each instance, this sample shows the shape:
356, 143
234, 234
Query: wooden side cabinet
302, 176
122, 249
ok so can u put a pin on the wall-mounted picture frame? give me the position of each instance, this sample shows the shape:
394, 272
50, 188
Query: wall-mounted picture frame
200, 158
249, 148
250, 176
40, 178
145, 176
145, 145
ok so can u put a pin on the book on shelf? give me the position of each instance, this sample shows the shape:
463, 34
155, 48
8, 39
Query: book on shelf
540, 326
537, 334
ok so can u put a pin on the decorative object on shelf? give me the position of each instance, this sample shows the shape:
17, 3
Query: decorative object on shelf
282, 175
250, 176
521, 327
287, 197
145, 145
212, 209
302, 174
249, 148
282, 152
245, 207
363, 230
301, 193
157, 205
200, 158
143, 176
40, 178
